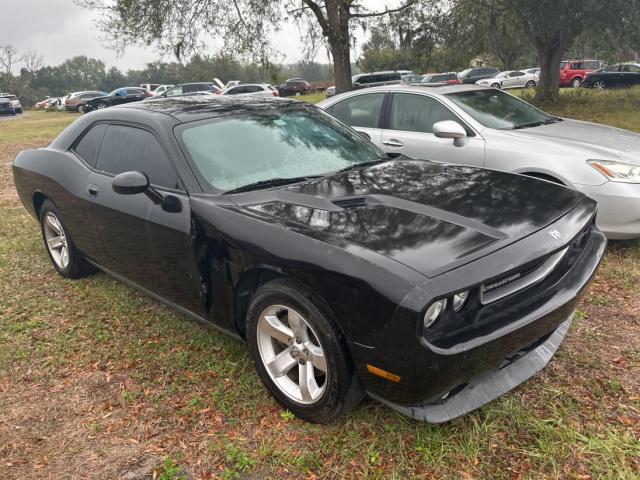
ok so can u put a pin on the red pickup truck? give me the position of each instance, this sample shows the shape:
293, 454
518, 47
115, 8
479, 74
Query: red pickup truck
572, 72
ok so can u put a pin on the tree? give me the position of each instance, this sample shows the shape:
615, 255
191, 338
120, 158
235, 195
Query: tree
8, 56
244, 26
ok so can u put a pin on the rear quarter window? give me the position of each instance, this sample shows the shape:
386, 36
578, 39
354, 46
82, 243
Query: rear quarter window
88, 146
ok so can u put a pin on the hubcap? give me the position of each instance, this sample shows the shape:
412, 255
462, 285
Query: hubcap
56, 240
101, 105
292, 354
599, 85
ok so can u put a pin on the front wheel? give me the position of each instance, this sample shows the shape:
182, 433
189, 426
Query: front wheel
576, 82
80, 108
299, 353
64, 255
599, 85
496, 85
101, 105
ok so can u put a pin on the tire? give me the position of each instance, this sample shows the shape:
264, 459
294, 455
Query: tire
599, 85
496, 85
576, 82
19, 110
530, 84
101, 105
80, 108
315, 343
66, 259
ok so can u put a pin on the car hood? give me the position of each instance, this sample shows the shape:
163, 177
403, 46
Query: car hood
431, 217
596, 141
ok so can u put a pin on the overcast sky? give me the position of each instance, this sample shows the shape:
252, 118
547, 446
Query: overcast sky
60, 29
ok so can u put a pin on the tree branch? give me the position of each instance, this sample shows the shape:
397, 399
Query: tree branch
410, 3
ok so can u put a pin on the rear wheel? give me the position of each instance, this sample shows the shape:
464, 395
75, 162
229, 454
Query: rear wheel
65, 257
80, 108
576, 82
299, 352
530, 84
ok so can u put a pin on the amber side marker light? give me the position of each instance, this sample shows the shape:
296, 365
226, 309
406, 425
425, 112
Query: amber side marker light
382, 373
603, 169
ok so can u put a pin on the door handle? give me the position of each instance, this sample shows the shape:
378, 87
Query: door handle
92, 190
392, 142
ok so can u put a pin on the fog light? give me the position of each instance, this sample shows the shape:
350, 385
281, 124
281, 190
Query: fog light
459, 299
433, 312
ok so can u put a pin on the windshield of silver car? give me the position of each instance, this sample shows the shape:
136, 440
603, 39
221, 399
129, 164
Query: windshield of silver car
239, 149
496, 109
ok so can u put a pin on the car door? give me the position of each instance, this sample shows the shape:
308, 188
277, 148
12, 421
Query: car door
363, 113
514, 79
409, 131
144, 240
629, 75
134, 95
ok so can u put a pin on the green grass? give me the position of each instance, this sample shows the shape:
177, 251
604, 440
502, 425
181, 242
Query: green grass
188, 399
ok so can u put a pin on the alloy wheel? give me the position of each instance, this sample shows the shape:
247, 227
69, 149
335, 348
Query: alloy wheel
599, 85
81, 108
291, 354
530, 84
576, 83
102, 105
56, 240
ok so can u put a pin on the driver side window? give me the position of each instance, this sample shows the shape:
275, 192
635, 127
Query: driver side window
128, 148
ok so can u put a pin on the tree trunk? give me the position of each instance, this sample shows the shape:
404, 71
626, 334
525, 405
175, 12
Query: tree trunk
548, 90
337, 33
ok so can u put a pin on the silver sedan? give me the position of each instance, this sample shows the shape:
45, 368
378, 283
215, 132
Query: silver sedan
513, 79
481, 126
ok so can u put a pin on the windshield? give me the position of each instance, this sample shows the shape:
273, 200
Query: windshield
243, 148
496, 109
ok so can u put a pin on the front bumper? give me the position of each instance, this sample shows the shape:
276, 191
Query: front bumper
618, 208
489, 386
467, 361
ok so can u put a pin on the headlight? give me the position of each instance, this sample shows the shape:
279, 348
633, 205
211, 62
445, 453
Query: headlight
459, 299
617, 171
433, 312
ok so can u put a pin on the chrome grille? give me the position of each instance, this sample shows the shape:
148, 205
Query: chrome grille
516, 281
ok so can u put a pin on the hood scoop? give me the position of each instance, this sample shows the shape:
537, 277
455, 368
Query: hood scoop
351, 202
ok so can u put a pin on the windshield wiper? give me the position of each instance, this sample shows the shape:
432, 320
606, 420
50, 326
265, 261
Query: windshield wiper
361, 164
537, 124
271, 182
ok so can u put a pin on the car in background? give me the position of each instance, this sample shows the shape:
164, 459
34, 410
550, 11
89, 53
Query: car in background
118, 97
411, 78
232, 83
613, 76
485, 127
6, 107
15, 101
573, 72
449, 78
76, 101
294, 86
472, 75
253, 89
160, 89
388, 77
330, 91
190, 89
42, 103
513, 79
150, 87
270, 220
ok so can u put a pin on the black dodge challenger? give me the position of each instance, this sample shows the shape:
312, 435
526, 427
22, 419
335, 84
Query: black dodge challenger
433, 288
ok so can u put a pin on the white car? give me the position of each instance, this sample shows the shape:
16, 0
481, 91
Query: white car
253, 89
15, 101
160, 89
513, 79
489, 128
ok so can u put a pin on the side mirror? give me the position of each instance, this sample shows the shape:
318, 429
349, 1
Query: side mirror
450, 129
130, 183
364, 135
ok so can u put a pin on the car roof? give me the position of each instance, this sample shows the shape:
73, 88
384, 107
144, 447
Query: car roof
193, 108
440, 89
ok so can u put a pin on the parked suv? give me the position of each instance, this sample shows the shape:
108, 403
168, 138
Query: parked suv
375, 79
75, 102
294, 86
472, 75
15, 102
573, 72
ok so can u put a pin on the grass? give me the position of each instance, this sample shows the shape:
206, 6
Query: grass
98, 381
